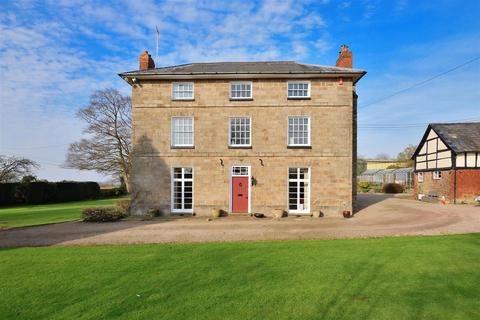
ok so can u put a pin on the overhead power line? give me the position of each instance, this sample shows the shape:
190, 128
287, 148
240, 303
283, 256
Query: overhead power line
418, 84
409, 125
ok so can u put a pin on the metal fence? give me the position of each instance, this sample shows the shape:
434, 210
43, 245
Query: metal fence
403, 176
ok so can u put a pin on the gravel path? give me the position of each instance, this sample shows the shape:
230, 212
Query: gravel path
379, 215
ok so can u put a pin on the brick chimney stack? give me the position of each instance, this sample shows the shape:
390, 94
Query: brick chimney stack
344, 57
145, 61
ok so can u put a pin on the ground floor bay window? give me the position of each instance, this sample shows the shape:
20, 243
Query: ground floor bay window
298, 190
182, 190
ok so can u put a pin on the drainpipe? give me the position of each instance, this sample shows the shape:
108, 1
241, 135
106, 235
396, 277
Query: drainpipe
454, 163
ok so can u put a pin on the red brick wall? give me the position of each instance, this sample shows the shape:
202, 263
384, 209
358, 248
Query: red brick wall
468, 185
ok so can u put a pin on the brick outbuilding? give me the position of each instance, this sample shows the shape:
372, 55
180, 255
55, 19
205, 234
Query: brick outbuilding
447, 163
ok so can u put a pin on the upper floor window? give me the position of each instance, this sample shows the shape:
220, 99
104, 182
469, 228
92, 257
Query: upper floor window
182, 91
241, 90
437, 175
420, 177
182, 132
299, 89
298, 131
240, 132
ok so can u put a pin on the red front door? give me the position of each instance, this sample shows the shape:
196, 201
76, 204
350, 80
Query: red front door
240, 194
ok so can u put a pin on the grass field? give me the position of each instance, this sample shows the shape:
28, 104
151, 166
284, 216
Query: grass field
389, 278
32, 215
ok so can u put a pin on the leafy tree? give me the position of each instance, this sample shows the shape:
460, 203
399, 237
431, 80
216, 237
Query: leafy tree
108, 146
361, 165
407, 154
14, 168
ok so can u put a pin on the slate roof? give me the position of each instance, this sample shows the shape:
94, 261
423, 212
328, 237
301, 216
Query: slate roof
460, 137
257, 67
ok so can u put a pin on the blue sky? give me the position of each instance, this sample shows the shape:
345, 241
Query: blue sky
54, 54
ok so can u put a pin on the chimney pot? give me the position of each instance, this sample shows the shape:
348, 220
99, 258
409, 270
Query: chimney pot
344, 57
145, 61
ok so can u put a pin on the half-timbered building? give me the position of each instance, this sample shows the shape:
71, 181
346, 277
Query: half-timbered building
447, 163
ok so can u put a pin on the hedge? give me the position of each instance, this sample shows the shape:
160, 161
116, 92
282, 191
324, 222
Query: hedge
47, 192
113, 192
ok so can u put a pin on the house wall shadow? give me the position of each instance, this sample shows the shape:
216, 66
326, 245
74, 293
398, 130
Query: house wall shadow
59, 233
365, 200
150, 179
149, 172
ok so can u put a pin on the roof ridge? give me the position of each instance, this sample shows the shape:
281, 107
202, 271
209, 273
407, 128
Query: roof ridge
453, 123
255, 61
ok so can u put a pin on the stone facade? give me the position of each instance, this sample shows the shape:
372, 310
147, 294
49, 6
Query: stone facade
331, 158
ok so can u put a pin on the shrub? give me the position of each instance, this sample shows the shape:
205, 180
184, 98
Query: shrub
124, 205
108, 214
152, 212
364, 186
393, 188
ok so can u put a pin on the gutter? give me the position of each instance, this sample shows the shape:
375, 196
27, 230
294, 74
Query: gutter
236, 75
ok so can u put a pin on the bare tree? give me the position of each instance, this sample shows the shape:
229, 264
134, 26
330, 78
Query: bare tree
382, 156
107, 149
14, 168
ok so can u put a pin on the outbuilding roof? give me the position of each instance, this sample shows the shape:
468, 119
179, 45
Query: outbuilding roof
245, 68
460, 137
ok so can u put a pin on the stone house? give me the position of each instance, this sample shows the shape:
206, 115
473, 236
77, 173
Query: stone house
244, 137
447, 163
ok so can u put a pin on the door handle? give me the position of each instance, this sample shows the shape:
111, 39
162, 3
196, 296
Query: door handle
240, 194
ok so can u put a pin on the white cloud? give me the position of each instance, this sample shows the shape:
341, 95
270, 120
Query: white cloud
53, 55
323, 45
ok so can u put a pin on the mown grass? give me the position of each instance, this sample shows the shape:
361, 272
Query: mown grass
390, 278
31, 215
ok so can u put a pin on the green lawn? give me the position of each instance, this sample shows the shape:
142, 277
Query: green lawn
388, 278
31, 215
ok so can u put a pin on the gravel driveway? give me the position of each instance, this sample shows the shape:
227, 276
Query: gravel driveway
379, 215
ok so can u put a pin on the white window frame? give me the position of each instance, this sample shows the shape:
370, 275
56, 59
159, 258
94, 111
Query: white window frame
304, 211
299, 82
240, 83
437, 175
172, 132
182, 180
309, 142
232, 174
183, 98
420, 176
230, 133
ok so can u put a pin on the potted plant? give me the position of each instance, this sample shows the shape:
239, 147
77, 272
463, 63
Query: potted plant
317, 214
278, 213
216, 213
